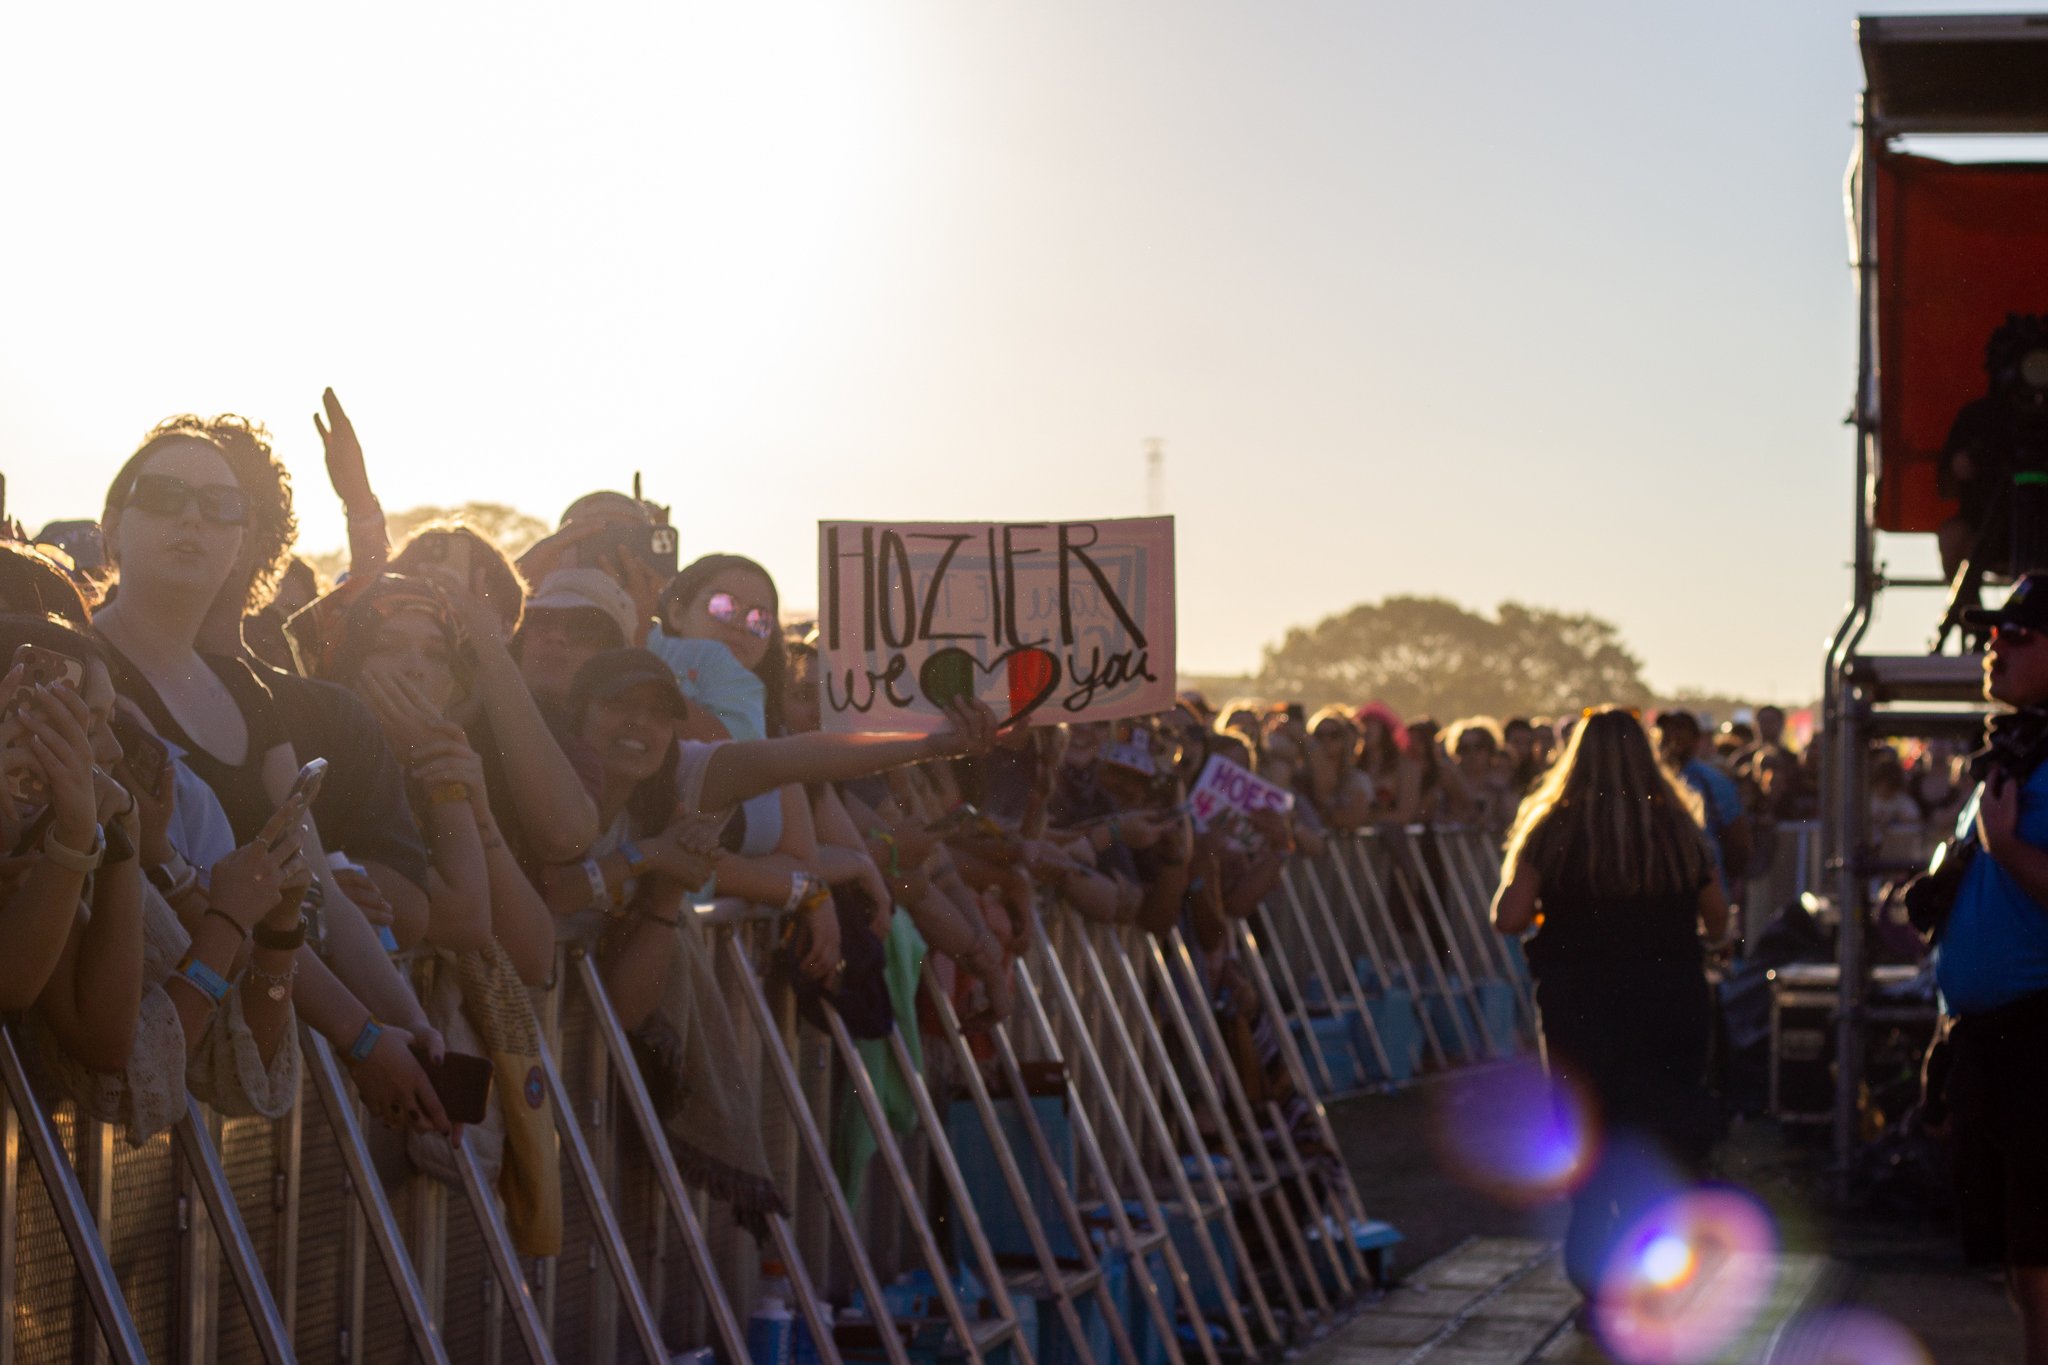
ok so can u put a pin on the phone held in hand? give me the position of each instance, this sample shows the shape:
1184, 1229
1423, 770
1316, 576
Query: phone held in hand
42, 667
462, 1083
654, 546
146, 756
307, 783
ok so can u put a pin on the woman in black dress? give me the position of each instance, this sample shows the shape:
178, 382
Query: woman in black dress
1608, 861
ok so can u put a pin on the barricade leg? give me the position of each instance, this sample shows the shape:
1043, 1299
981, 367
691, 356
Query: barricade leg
1452, 986
204, 1163
1139, 1181
89, 1254
1299, 998
1346, 1191
1176, 950
820, 1157
730, 1339
1463, 850
1205, 1052
1200, 1215
1061, 1285
376, 1209
1349, 973
610, 1237
1296, 908
1377, 904
1136, 1248
1191, 1136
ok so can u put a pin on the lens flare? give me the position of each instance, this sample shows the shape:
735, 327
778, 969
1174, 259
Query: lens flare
1850, 1336
1513, 1133
1686, 1278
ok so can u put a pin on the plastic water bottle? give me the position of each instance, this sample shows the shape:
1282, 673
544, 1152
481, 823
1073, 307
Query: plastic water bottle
771, 1331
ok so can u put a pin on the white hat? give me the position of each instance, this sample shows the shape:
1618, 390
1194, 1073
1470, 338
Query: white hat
586, 590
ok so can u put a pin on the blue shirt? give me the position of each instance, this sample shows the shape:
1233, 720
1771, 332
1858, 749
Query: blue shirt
1722, 801
1995, 948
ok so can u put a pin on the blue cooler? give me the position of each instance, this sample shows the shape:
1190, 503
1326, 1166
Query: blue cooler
1333, 1041
978, 1167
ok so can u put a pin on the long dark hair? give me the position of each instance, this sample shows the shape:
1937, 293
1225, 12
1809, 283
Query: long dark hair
1612, 813
688, 585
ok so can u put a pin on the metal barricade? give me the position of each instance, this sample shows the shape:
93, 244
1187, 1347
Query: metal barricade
1223, 1233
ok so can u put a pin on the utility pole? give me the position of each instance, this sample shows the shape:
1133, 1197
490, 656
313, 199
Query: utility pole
1155, 476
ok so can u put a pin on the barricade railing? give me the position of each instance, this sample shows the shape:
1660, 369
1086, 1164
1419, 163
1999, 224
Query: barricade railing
1383, 959
1135, 1168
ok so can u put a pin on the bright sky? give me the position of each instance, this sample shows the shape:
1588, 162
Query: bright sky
1485, 300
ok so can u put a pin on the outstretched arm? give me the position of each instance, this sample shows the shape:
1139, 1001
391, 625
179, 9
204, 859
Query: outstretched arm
745, 768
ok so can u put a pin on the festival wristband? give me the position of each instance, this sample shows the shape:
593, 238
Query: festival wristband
636, 861
799, 887
448, 794
201, 977
600, 894
366, 1041
281, 940
888, 840
70, 859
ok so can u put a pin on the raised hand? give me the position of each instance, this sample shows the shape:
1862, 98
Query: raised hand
250, 882
345, 468
971, 729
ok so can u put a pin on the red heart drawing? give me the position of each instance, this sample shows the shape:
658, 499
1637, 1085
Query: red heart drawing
1031, 675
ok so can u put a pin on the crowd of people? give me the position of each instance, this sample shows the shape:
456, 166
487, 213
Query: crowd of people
242, 798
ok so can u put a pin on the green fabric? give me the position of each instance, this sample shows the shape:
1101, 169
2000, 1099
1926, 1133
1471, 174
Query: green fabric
853, 1142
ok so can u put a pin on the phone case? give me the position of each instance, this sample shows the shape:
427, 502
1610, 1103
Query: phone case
463, 1084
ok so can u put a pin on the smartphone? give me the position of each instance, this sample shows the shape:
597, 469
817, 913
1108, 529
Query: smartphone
654, 546
450, 551
307, 783
146, 755
41, 667
462, 1083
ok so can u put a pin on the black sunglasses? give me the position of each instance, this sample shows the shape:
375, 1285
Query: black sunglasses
161, 495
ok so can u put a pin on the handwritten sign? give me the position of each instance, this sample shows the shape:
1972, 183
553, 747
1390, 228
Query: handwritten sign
1047, 622
1226, 786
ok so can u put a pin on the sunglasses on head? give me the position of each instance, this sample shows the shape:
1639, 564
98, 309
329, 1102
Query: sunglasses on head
724, 607
164, 496
2015, 635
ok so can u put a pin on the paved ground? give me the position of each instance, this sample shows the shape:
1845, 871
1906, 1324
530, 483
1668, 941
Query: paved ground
1501, 1298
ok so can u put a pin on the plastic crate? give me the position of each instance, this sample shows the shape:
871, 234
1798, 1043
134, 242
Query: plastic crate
1332, 1038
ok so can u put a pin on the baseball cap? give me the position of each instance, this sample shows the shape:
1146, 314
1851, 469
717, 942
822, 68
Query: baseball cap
586, 589
606, 675
2027, 606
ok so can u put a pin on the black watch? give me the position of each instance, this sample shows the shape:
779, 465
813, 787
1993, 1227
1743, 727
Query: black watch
280, 940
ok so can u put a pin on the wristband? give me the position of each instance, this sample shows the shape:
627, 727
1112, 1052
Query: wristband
215, 912
600, 894
636, 861
201, 977
366, 1041
70, 859
888, 840
799, 887
281, 940
448, 794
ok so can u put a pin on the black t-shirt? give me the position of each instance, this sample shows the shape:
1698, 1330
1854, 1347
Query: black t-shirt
239, 786
362, 808
1583, 929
